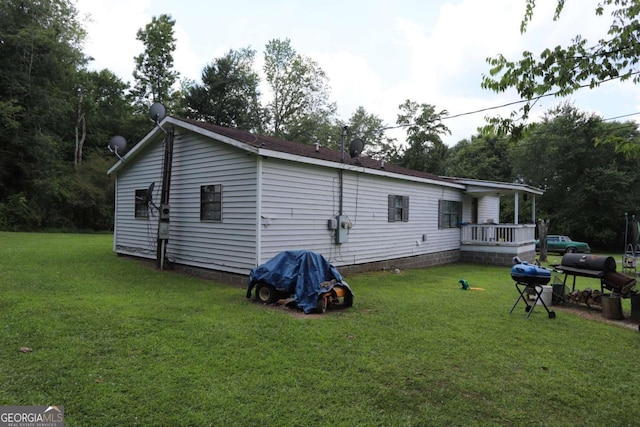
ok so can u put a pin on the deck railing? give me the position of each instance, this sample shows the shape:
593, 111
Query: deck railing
498, 234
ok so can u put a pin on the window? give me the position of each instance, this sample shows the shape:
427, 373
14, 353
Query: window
141, 204
211, 203
398, 208
450, 214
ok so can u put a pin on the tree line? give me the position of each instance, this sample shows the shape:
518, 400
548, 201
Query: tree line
57, 115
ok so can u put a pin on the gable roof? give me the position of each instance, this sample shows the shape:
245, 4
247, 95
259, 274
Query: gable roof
274, 147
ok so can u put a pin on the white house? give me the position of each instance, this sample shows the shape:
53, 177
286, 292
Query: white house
231, 200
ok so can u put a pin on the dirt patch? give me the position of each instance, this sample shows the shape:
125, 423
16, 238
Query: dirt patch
283, 306
287, 307
595, 313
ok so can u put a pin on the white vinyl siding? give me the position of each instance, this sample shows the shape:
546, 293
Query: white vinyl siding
197, 161
299, 200
137, 236
296, 202
489, 209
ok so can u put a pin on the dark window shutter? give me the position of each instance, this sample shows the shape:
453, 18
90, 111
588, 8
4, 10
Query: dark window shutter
439, 213
405, 209
391, 200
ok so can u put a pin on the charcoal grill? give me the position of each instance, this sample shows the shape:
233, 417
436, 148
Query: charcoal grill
529, 280
596, 267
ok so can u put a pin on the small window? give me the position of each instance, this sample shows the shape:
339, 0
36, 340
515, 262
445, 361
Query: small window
398, 208
211, 202
141, 204
450, 214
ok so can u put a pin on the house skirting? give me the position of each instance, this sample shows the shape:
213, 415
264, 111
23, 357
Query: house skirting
496, 256
420, 261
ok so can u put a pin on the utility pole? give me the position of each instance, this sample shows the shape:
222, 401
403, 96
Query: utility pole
164, 218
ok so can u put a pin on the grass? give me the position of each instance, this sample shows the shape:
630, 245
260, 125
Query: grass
118, 343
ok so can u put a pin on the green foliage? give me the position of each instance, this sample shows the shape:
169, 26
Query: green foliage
107, 109
423, 125
370, 129
482, 157
229, 94
40, 51
564, 69
154, 72
587, 186
300, 91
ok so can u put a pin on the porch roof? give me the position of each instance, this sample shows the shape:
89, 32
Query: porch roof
480, 187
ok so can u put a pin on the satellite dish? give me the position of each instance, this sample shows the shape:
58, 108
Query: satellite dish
117, 144
355, 147
157, 112
148, 197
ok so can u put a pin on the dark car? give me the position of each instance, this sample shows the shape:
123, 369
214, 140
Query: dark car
564, 245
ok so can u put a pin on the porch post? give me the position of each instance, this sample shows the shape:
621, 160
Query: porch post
515, 211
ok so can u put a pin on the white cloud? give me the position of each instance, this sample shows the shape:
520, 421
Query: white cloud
351, 79
112, 31
190, 65
430, 52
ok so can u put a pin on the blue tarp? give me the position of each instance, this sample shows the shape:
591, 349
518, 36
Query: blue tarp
297, 272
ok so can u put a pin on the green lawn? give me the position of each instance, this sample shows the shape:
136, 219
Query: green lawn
117, 342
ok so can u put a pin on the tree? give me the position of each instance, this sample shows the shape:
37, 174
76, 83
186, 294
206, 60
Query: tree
587, 185
481, 157
564, 69
300, 108
371, 130
543, 231
40, 47
426, 151
229, 94
154, 75
107, 109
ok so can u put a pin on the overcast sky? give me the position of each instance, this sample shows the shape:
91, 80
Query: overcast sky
376, 53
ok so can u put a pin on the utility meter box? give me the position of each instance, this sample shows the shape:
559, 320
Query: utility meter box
342, 230
163, 231
164, 212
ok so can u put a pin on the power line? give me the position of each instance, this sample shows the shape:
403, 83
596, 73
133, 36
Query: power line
522, 101
536, 98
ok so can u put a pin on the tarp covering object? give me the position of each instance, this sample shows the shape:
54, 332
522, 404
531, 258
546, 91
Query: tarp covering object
299, 272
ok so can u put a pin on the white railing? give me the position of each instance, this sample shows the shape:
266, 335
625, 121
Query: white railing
498, 234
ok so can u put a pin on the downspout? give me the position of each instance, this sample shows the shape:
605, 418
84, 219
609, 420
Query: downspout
259, 211
341, 172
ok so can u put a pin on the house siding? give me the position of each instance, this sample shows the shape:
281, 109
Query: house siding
227, 245
299, 200
137, 236
276, 200
489, 209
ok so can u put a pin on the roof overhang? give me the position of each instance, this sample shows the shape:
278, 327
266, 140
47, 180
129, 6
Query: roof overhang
482, 188
267, 153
